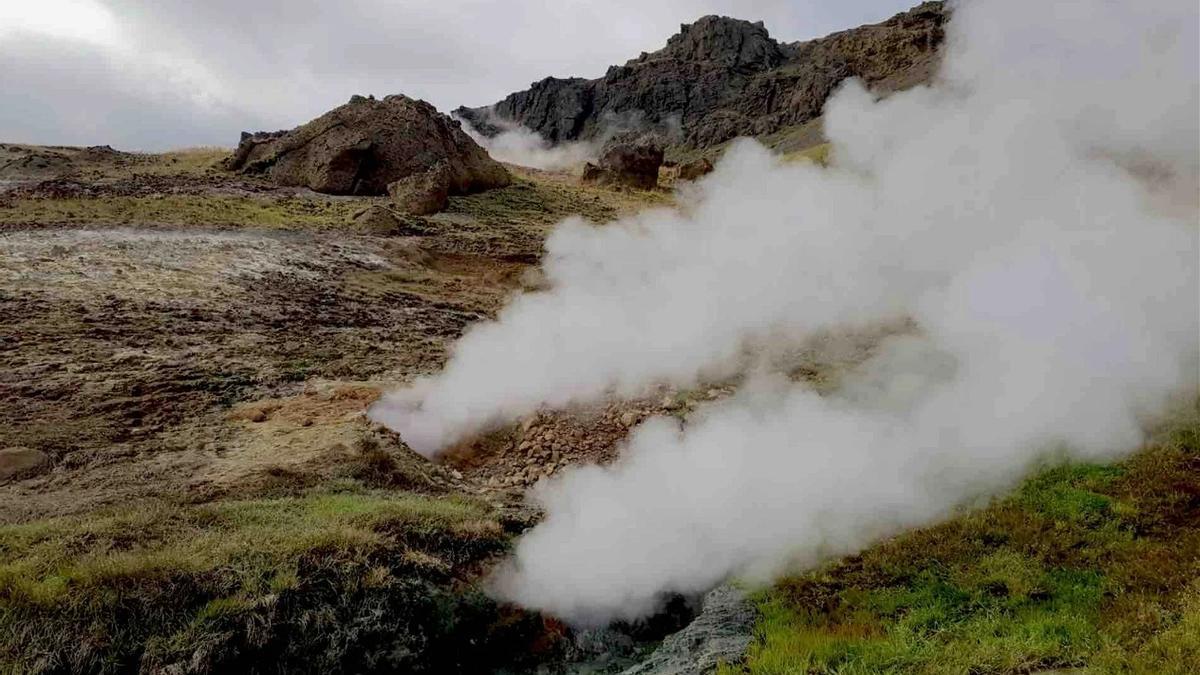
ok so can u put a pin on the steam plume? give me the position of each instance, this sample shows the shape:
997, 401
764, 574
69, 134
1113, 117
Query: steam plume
1034, 213
523, 146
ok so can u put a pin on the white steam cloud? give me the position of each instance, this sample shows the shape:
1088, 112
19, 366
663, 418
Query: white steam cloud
1034, 213
523, 146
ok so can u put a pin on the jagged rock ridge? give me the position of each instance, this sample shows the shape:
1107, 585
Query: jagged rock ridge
721, 77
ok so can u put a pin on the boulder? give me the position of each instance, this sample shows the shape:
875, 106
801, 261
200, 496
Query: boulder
367, 146
381, 221
631, 163
695, 169
16, 462
422, 193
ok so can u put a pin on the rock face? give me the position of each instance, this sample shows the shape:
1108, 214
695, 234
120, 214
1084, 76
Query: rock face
720, 77
695, 169
632, 163
423, 193
720, 634
367, 146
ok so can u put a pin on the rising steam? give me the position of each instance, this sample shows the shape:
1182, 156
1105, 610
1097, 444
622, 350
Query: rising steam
523, 146
1034, 213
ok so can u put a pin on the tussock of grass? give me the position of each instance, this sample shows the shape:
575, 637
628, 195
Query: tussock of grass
1085, 566
260, 582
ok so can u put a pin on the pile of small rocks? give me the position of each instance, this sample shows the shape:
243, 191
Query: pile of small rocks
545, 443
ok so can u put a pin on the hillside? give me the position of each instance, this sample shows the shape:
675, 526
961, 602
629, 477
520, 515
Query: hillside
918, 397
189, 358
186, 475
720, 77
1085, 568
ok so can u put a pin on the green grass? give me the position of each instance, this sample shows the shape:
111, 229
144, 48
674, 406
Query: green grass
1085, 566
529, 204
356, 577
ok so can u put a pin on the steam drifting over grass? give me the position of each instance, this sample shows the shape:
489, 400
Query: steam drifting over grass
1033, 212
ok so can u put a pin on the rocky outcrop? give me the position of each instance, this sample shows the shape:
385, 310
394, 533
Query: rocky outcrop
720, 634
720, 77
381, 221
372, 147
631, 163
694, 169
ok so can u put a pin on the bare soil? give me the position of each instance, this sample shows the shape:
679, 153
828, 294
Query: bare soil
199, 360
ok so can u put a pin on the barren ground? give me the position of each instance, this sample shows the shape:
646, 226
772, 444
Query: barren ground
203, 359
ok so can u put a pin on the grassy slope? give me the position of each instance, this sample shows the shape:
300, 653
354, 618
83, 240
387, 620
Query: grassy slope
339, 579
1085, 566
535, 199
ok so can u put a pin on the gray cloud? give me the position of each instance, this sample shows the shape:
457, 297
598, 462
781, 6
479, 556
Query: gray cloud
69, 92
184, 73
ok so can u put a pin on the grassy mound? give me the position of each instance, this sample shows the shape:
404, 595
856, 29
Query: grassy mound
328, 582
1086, 566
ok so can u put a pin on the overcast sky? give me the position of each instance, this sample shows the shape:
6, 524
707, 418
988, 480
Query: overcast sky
156, 74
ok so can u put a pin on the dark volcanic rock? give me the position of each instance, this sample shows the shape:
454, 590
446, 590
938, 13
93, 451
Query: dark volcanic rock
721, 77
367, 145
629, 162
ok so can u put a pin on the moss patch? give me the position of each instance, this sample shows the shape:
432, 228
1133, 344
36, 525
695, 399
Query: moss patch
1086, 566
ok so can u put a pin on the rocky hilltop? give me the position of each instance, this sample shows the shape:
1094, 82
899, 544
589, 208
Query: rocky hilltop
720, 77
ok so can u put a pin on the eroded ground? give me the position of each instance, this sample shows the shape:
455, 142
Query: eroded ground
132, 351
186, 356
